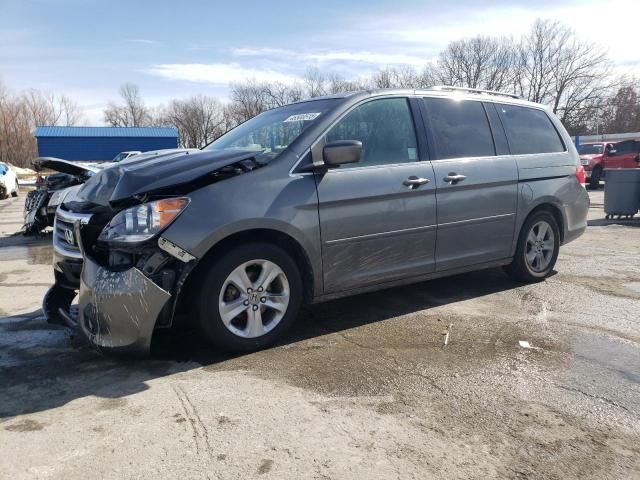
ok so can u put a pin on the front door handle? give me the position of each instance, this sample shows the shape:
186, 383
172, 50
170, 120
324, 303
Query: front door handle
414, 182
454, 178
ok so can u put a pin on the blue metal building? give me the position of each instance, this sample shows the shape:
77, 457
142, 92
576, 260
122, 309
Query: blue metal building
101, 143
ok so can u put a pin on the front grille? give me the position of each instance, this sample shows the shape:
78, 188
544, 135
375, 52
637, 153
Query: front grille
64, 233
34, 200
64, 238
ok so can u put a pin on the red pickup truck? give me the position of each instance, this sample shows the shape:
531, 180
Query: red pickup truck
595, 157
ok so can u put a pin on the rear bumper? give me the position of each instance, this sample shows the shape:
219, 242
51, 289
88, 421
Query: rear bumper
118, 310
576, 209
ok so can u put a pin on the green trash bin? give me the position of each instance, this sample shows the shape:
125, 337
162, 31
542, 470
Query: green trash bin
622, 192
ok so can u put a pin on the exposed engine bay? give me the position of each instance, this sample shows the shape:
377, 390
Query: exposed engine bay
40, 204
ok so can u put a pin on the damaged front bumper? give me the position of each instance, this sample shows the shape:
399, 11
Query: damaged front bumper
118, 309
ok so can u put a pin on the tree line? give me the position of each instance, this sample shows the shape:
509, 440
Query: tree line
548, 65
21, 113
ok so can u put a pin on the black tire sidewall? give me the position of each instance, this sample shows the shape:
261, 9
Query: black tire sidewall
520, 268
212, 278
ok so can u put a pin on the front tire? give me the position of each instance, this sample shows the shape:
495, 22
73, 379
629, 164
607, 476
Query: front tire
537, 250
248, 297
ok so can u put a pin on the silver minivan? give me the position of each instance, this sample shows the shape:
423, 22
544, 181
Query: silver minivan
321, 199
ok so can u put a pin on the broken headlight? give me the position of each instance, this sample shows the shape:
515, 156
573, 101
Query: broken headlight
142, 222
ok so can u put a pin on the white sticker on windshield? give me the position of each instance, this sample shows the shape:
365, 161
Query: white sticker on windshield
302, 117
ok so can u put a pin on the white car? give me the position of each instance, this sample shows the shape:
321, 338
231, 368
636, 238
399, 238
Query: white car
123, 155
8, 182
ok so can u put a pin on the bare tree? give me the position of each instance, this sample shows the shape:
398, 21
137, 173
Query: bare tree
20, 113
479, 62
132, 113
199, 120
70, 111
247, 100
558, 69
622, 113
278, 94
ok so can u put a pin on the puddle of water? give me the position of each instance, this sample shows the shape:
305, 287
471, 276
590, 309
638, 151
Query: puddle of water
605, 370
633, 286
620, 359
34, 255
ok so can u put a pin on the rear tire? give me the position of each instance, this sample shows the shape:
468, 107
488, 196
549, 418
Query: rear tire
537, 250
248, 297
596, 175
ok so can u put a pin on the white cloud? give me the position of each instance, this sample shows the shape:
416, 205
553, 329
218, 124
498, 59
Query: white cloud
143, 41
368, 57
261, 52
217, 73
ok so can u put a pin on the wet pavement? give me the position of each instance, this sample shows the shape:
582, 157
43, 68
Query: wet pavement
360, 388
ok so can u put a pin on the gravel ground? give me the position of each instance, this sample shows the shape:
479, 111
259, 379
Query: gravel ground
361, 388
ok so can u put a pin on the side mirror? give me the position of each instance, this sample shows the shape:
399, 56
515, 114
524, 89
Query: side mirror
341, 152
612, 152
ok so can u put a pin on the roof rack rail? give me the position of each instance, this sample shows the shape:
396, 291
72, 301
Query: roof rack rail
448, 88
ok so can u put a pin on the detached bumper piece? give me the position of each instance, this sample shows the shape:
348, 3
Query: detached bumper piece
118, 309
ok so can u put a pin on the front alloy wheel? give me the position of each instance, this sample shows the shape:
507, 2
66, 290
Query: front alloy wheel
246, 297
254, 298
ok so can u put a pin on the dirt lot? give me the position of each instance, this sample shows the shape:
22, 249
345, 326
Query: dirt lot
361, 388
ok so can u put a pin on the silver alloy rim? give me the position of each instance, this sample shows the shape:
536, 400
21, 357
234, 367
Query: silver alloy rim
540, 247
254, 298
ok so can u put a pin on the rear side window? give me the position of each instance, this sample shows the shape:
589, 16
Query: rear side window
460, 128
624, 147
529, 130
385, 128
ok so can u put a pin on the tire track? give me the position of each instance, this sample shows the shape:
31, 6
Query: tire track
198, 428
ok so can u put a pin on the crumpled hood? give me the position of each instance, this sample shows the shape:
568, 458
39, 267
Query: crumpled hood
137, 177
64, 166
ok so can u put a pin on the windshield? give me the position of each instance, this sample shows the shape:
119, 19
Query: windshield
119, 157
273, 131
590, 149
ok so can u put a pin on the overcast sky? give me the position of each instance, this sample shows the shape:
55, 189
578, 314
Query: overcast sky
87, 48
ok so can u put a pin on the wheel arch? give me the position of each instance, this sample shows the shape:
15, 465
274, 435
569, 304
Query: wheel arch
275, 237
553, 209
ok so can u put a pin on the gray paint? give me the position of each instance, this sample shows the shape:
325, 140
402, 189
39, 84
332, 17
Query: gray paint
361, 227
476, 217
374, 228
122, 306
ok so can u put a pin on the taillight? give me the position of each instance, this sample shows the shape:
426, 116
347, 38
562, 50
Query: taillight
580, 175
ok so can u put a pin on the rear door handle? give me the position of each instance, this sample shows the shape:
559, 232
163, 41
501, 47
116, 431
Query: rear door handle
414, 182
454, 178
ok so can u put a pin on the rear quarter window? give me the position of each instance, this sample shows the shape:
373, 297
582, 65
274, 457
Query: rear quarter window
529, 130
460, 128
624, 147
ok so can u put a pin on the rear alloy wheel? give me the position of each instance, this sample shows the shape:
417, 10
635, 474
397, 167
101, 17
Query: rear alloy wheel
249, 297
537, 250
